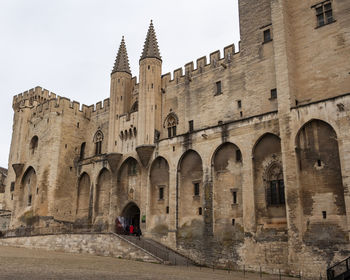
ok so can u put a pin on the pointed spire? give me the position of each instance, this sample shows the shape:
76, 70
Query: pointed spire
150, 48
121, 63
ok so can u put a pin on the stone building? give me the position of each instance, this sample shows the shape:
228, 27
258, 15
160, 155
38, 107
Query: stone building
3, 176
242, 158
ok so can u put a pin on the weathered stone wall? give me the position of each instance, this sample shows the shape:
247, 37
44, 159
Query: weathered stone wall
97, 244
242, 143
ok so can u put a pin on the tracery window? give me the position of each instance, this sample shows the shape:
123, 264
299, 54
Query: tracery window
98, 139
171, 124
275, 185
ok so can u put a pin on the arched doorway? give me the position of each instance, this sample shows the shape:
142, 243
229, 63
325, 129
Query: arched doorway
130, 216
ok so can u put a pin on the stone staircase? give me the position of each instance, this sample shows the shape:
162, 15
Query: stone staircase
157, 250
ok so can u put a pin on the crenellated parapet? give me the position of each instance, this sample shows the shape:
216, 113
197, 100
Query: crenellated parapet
41, 101
32, 97
183, 75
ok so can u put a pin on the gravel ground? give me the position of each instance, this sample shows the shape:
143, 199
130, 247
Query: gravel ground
36, 264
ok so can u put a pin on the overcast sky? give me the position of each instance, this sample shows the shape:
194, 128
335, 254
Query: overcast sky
69, 46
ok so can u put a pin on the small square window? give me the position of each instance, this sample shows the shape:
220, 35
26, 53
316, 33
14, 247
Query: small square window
267, 35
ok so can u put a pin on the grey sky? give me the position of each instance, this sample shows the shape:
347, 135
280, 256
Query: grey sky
69, 46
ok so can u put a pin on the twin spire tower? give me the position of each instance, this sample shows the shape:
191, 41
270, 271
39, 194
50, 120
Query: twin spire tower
147, 94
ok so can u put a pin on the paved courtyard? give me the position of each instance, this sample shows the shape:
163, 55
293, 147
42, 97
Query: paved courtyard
21, 263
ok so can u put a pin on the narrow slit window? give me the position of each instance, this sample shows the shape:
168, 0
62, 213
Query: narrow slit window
190, 125
161, 193
218, 88
196, 189
234, 196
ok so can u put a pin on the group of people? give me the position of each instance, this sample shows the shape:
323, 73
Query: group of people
133, 230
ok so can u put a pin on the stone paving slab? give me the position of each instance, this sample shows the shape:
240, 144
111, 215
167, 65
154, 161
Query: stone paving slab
38, 264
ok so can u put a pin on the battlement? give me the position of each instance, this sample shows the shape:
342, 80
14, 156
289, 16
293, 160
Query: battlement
40, 101
182, 75
32, 97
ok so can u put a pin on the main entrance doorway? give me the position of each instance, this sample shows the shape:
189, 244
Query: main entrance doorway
130, 216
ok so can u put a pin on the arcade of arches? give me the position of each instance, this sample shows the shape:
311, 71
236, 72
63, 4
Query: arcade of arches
200, 198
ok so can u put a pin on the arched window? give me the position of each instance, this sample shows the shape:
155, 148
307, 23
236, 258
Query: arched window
98, 139
134, 107
82, 150
171, 124
34, 143
275, 185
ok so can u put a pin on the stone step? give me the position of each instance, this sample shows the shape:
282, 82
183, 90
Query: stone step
157, 249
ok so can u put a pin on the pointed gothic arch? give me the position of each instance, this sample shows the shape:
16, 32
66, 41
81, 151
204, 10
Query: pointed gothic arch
227, 170
269, 191
171, 122
190, 194
98, 139
159, 196
83, 214
320, 180
102, 196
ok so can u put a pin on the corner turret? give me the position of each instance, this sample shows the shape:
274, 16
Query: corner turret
150, 99
120, 93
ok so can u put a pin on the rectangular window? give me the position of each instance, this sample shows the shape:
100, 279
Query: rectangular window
190, 125
200, 212
234, 196
167, 209
218, 88
239, 104
196, 189
161, 193
12, 188
174, 131
29, 200
273, 93
11, 196
267, 35
324, 13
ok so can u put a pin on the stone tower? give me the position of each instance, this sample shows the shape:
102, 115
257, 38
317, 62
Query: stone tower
119, 93
149, 119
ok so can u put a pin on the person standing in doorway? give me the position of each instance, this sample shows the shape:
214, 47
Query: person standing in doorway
131, 229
